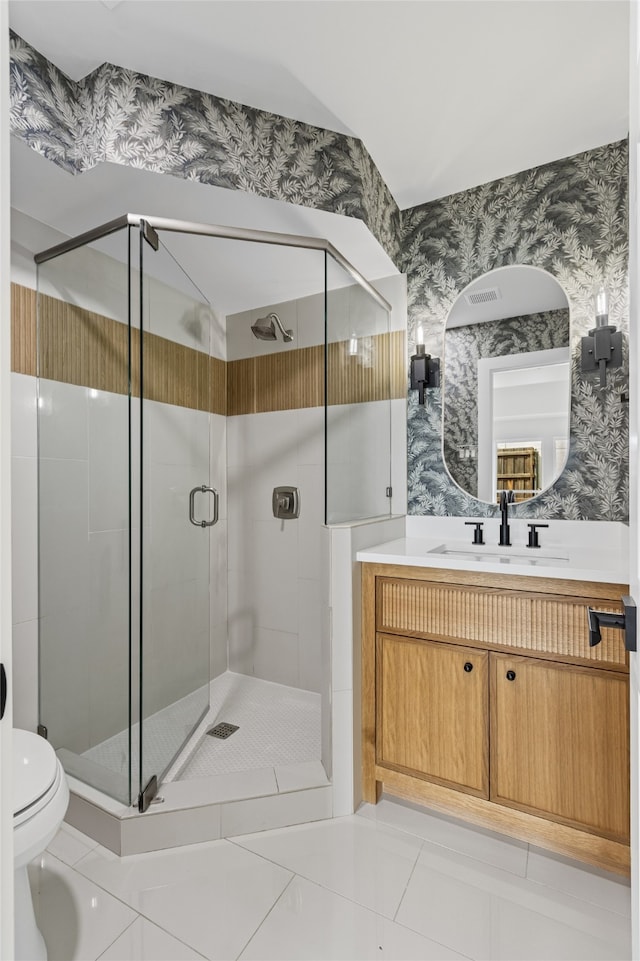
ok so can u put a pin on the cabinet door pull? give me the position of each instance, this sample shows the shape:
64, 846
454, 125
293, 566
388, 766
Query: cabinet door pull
468, 667
511, 675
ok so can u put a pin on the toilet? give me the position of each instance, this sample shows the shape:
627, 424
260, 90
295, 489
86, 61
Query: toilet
41, 796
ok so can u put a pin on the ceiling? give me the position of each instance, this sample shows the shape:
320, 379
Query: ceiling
445, 94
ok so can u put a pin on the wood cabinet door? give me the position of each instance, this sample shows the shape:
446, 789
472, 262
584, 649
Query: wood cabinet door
432, 711
560, 743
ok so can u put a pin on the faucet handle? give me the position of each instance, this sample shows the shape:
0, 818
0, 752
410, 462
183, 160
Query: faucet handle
477, 534
533, 534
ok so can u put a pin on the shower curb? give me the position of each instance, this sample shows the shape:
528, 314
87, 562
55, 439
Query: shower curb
127, 832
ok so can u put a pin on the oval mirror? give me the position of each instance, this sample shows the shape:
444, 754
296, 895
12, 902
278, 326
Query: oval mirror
507, 384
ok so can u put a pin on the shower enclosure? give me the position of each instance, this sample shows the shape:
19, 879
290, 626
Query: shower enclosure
162, 422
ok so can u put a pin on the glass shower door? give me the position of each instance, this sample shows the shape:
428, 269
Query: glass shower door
362, 354
83, 608
178, 508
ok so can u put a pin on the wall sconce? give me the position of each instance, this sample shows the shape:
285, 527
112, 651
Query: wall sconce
425, 369
361, 349
603, 346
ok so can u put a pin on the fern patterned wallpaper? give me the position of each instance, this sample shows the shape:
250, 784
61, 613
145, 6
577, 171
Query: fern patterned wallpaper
125, 117
464, 346
568, 217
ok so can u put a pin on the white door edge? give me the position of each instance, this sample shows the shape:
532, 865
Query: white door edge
634, 457
6, 787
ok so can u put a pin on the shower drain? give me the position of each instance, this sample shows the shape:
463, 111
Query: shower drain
223, 730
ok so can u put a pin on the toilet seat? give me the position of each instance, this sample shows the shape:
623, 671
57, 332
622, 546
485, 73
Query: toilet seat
40, 799
40, 793
36, 775
36, 805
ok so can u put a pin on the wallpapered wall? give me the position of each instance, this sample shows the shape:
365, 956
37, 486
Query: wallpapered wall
125, 117
568, 217
464, 346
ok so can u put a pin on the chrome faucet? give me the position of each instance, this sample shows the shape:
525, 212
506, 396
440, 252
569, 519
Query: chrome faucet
505, 540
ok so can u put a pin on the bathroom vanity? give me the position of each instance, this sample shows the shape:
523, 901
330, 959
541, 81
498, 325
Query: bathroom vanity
482, 698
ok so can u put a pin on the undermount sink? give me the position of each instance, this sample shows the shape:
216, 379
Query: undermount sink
496, 555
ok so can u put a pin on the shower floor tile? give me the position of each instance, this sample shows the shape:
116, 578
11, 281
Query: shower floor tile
278, 726
278, 729
164, 733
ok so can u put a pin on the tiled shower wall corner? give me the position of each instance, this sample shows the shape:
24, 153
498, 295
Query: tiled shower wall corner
277, 575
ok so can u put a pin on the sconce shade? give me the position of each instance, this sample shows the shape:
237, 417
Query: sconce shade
602, 308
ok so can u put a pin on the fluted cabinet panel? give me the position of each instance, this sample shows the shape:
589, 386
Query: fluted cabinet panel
553, 627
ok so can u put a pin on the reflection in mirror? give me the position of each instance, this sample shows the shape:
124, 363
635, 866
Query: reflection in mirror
506, 384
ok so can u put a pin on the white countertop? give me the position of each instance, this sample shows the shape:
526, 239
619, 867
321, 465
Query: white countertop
578, 563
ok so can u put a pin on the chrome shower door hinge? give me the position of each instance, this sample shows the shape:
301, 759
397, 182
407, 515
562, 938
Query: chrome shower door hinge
150, 235
147, 795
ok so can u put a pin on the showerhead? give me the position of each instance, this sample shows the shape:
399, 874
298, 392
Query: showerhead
265, 328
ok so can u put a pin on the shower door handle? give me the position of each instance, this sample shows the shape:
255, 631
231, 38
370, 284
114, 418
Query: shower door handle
192, 505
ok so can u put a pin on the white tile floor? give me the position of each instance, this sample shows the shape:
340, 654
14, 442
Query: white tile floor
389, 882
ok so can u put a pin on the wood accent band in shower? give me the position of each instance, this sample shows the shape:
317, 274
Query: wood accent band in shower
79, 346
292, 379
380, 372
287, 380
23, 330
